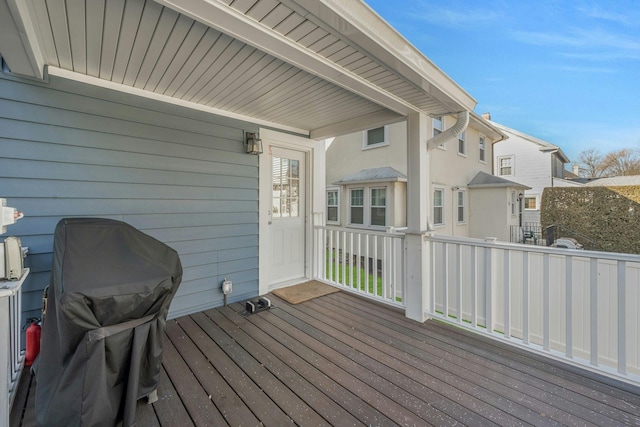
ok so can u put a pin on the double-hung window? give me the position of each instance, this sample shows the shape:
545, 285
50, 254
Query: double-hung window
368, 206
438, 127
333, 206
438, 206
531, 203
505, 166
356, 206
379, 206
461, 206
462, 144
482, 147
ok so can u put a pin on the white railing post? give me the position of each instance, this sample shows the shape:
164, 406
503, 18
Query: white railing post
11, 355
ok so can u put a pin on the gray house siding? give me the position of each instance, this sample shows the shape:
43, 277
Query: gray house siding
180, 175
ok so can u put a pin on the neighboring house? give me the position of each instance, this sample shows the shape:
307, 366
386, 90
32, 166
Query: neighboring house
143, 112
372, 191
532, 162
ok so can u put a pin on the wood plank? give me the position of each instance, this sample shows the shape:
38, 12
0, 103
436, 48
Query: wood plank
413, 390
282, 396
497, 361
170, 409
359, 398
426, 366
26, 387
247, 336
242, 384
229, 404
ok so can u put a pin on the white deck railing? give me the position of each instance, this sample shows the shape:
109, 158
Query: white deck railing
11, 355
365, 262
579, 306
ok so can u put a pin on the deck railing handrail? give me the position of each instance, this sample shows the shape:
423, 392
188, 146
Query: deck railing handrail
11, 355
369, 263
574, 305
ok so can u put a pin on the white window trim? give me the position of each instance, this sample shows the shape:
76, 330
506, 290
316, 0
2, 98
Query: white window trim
464, 206
513, 165
514, 202
532, 196
441, 129
337, 189
366, 215
384, 143
442, 206
463, 137
482, 138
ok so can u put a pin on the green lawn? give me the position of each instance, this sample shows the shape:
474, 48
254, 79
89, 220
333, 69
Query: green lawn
351, 276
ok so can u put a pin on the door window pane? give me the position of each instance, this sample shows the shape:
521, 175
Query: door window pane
286, 188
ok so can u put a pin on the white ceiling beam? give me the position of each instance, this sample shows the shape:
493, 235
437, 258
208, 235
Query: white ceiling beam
357, 124
19, 45
227, 20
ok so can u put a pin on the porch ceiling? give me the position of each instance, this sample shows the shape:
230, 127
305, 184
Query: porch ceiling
319, 67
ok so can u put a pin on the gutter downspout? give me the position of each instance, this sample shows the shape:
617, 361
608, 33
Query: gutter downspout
459, 127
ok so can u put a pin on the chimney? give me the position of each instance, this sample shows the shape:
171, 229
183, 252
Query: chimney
486, 116
576, 170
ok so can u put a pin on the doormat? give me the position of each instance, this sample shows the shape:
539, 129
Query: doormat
304, 292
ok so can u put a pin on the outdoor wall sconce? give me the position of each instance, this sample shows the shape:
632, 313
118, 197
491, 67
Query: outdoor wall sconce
520, 196
253, 142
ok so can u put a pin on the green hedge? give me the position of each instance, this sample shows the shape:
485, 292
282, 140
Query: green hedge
610, 216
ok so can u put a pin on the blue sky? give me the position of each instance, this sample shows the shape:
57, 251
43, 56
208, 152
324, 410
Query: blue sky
564, 71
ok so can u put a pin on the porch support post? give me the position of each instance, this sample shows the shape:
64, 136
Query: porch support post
416, 248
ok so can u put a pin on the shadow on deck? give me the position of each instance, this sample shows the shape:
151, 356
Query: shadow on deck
342, 360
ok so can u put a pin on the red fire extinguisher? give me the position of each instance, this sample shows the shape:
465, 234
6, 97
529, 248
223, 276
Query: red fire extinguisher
33, 341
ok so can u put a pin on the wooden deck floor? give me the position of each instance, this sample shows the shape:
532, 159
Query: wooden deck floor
340, 360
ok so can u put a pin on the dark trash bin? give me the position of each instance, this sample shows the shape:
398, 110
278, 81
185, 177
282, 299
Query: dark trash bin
101, 350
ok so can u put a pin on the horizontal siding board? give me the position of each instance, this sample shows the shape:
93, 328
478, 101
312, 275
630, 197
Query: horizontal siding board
170, 120
14, 187
60, 153
181, 176
33, 169
64, 207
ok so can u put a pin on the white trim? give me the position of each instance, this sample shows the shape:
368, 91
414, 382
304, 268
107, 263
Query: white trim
314, 194
482, 138
327, 190
441, 206
512, 165
94, 81
531, 196
19, 42
365, 138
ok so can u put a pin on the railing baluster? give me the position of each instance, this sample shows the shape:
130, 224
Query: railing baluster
488, 283
330, 254
569, 306
474, 287
357, 284
525, 297
507, 293
343, 253
622, 317
546, 304
432, 276
593, 307
445, 281
366, 264
459, 282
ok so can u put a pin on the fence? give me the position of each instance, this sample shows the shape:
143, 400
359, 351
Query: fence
12, 358
365, 262
579, 306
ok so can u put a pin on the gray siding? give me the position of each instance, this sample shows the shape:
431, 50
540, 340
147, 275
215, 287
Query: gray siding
71, 149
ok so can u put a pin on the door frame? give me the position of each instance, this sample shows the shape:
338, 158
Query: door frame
314, 189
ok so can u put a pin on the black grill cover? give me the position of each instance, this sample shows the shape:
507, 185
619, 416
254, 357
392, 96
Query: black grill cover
102, 334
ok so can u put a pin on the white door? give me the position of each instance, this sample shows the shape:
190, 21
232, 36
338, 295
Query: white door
287, 217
